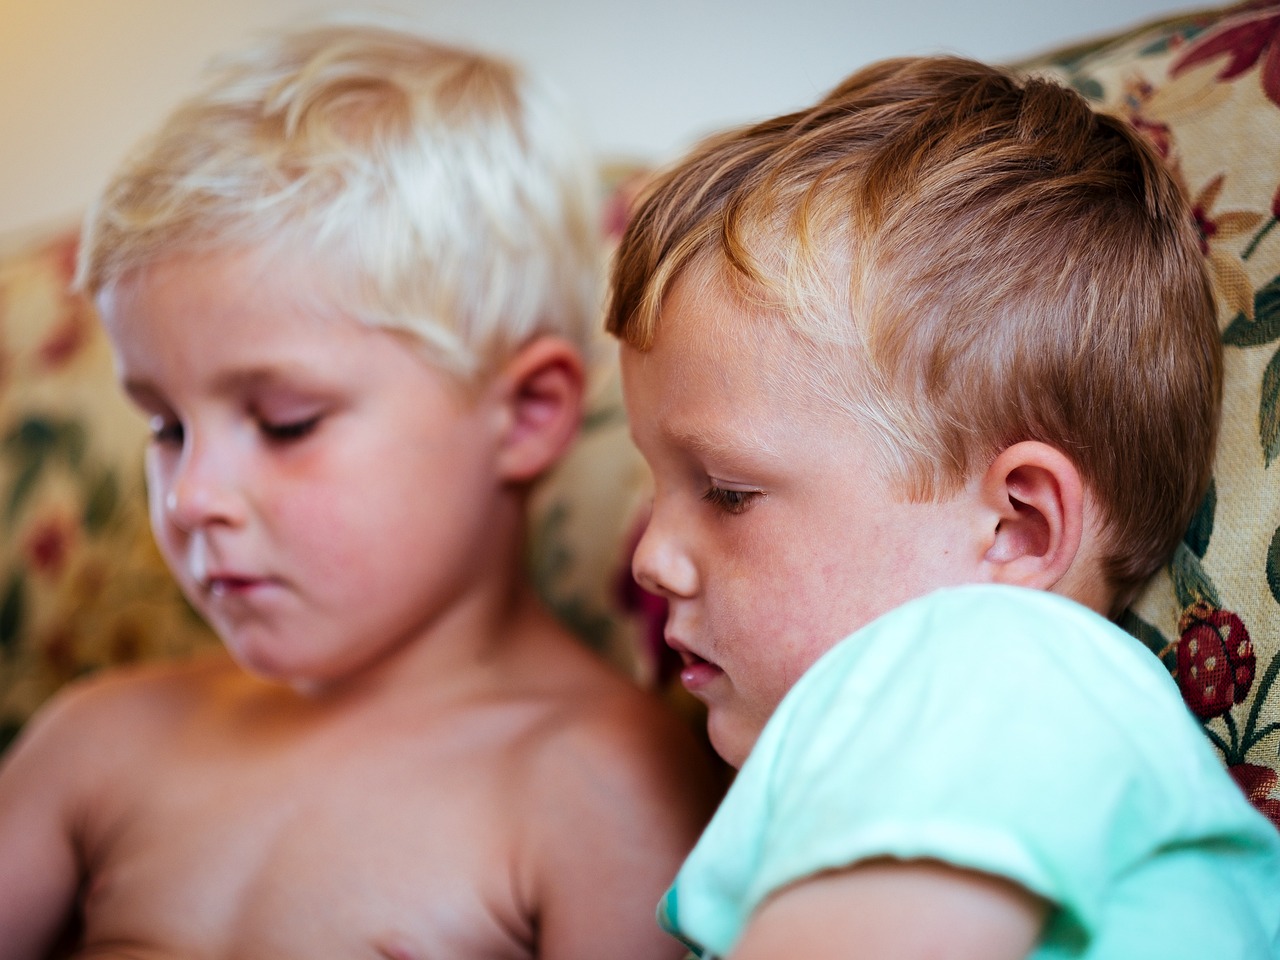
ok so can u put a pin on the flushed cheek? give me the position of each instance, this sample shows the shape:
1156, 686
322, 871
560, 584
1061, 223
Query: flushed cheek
753, 641
765, 655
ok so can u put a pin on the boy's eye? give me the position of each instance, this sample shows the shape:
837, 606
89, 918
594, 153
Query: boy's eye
291, 430
165, 431
730, 501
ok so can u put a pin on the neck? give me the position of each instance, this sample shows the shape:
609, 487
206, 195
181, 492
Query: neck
461, 641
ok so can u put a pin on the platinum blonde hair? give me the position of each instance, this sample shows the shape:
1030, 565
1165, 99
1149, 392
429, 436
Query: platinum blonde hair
444, 192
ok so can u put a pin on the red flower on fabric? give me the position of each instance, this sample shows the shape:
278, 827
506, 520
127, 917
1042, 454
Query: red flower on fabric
1216, 662
48, 546
58, 651
76, 320
651, 610
620, 204
1257, 782
1159, 135
63, 253
68, 338
1245, 39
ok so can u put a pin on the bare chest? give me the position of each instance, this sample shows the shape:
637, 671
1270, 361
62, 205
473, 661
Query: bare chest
380, 852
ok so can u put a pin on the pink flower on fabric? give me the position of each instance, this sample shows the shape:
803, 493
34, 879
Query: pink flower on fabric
48, 545
651, 610
1257, 782
1246, 39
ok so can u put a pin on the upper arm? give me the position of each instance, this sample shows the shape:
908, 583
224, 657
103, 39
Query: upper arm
39, 866
888, 910
619, 805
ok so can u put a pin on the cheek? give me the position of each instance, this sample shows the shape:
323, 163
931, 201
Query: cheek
391, 505
782, 613
157, 493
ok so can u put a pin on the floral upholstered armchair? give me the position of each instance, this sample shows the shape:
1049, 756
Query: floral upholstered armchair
82, 586
1206, 90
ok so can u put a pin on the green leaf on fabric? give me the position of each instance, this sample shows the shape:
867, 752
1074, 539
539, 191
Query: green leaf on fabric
1273, 565
1157, 47
12, 612
548, 556
591, 626
23, 485
72, 442
1087, 87
37, 437
1269, 410
33, 437
1149, 634
1201, 527
1190, 581
29, 444
1164, 43
101, 502
8, 733
1264, 327
603, 417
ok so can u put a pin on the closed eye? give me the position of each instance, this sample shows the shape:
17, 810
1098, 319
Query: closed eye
290, 431
731, 501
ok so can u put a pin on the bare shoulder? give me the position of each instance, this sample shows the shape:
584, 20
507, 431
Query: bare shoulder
93, 745
613, 789
599, 726
92, 720
607, 758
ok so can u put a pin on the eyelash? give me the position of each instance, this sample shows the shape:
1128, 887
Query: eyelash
286, 432
171, 432
166, 431
728, 501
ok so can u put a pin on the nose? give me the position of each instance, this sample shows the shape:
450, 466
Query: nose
661, 562
199, 489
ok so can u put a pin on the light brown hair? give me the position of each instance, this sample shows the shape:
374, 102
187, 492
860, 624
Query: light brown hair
964, 259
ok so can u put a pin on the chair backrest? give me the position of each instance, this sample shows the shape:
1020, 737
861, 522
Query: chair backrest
1205, 88
81, 585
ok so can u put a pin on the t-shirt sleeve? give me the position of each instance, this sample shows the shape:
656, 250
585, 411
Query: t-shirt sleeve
1004, 734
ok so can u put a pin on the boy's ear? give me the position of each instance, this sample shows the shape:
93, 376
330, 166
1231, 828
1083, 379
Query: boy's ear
542, 387
1036, 500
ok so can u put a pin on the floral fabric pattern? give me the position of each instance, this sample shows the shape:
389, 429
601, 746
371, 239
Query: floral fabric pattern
82, 586
1205, 89
81, 583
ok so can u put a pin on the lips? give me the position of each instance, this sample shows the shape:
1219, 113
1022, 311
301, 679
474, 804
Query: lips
230, 584
697, 672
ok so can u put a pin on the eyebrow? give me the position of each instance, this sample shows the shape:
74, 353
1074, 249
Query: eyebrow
233, 381
251, 377
724, 445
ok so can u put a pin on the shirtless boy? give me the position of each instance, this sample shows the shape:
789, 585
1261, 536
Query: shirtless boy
928, 378
349, 286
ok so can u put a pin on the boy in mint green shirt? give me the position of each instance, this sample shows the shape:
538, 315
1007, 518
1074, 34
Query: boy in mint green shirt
928, 377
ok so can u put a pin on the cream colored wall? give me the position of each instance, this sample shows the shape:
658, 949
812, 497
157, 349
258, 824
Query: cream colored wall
81, 80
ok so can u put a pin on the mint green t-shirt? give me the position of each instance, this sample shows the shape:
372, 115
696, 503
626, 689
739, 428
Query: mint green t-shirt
1007, 731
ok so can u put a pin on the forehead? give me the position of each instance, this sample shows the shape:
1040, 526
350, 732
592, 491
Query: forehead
711, 332
237, 319
722, 373
217, 283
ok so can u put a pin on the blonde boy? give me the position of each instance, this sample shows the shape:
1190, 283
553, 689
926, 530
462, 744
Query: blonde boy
350, 285
933, 367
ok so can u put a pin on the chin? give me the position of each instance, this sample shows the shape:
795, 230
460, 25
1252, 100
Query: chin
733, 745
264, 662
